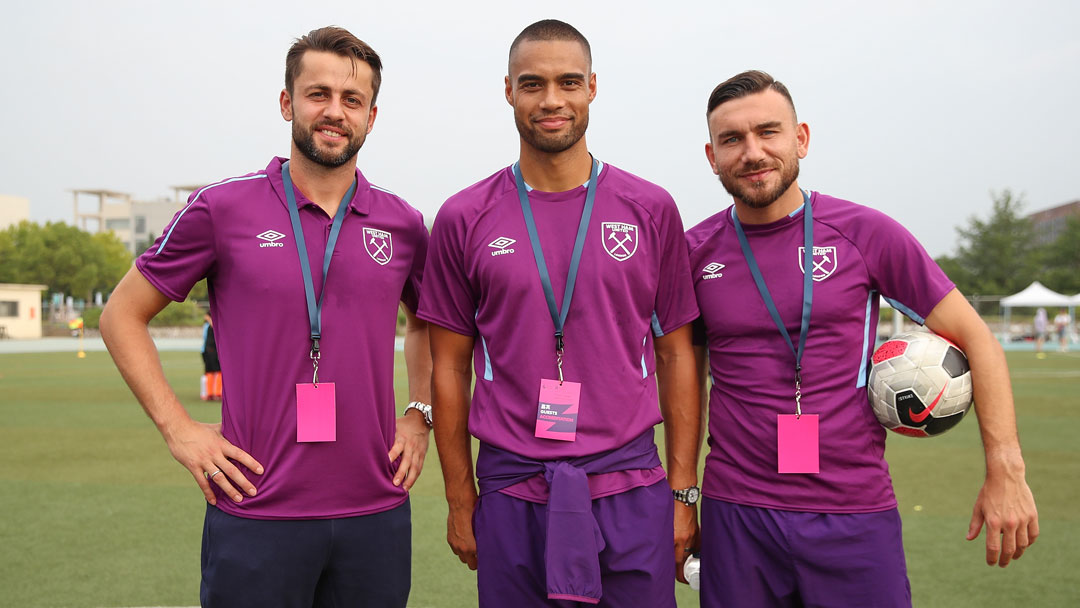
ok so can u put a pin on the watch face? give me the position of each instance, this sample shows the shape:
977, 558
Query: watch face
692, 495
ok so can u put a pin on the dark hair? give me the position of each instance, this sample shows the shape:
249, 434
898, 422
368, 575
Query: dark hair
746, 83
341, 42
552, 29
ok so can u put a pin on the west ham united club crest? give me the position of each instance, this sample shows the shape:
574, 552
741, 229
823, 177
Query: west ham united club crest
379, 245
824, 262
620, 240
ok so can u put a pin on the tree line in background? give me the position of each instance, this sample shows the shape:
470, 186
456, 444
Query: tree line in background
75, 263
997, 256
67, 259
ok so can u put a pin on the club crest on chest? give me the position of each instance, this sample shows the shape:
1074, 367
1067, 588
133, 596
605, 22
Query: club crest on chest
824, 262
620, 239
379, 245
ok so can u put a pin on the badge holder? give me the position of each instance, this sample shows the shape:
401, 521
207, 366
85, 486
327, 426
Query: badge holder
316, 407
797, 446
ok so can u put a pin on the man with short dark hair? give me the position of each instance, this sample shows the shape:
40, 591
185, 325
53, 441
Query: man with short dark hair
566, 281
799, 506
307, 262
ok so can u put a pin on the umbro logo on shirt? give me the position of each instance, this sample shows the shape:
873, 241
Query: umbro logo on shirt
502, 245
712, 271
271, 237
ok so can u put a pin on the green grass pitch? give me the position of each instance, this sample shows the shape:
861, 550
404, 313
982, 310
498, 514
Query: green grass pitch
97, 514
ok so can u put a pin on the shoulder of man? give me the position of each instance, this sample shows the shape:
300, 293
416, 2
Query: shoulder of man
635, 188
236, 188
707, 228
473, 200
386, 198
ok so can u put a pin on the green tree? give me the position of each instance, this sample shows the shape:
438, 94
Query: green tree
64, 258
1061, 260
994, 256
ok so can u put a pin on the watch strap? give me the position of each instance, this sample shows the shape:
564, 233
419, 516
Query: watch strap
424, 409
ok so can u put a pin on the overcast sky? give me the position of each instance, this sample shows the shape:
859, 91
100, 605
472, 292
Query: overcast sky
919, 109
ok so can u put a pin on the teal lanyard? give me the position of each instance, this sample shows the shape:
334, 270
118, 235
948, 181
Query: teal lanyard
557, 318
808, 289
314, 309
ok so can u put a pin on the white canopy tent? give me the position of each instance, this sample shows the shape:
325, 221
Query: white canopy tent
1033, 295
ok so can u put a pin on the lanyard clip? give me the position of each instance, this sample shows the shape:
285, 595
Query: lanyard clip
315, 356
798, 391
559, 353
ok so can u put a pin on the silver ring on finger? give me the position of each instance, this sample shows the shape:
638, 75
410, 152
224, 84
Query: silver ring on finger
211, 475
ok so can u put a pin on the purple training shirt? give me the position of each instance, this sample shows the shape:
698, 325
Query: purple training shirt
482, 281
859, 254
237, 233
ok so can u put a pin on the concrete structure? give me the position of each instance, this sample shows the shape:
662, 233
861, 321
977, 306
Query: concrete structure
20, 311
135, 223
1048, 224
13, 209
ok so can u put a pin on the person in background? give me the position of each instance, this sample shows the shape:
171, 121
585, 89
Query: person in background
1041, 321
210, 386
1061, 326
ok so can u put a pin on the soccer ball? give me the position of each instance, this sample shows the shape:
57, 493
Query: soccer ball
920, 384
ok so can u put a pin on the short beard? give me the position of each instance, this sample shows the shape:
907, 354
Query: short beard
305, 142
552, 144
756, 197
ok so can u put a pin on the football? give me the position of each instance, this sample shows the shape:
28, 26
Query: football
920, 384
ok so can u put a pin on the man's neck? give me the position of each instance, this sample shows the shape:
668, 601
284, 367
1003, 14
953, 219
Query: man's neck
787, 204
324, 186
556, 172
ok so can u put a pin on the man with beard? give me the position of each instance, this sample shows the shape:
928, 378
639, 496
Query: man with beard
307, 476
799, 506
566, 281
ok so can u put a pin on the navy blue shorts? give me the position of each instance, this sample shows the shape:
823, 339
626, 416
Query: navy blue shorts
767, 557
352, 561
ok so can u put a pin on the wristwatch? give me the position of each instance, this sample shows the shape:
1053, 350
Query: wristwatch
424, 408
688, 496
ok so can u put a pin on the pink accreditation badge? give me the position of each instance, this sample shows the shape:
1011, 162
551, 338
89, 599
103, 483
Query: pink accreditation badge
556, 416
315, 412
797, 443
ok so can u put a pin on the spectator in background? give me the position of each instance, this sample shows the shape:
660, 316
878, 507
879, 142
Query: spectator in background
210, 387
1040, 331
1061, 326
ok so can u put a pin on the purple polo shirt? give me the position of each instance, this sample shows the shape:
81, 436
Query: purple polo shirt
859, 255
237, 233
633, 279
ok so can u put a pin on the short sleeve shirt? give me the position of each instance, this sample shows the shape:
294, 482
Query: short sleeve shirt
859, 255
633, 283
237, 233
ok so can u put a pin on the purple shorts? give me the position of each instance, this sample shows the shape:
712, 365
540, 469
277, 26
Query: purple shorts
767, 557
637, 563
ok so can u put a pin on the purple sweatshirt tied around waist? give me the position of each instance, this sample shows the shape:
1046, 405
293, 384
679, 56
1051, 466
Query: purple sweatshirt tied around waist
574, 541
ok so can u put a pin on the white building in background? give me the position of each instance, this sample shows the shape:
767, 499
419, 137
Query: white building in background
20, 311
13, 209
135, 223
